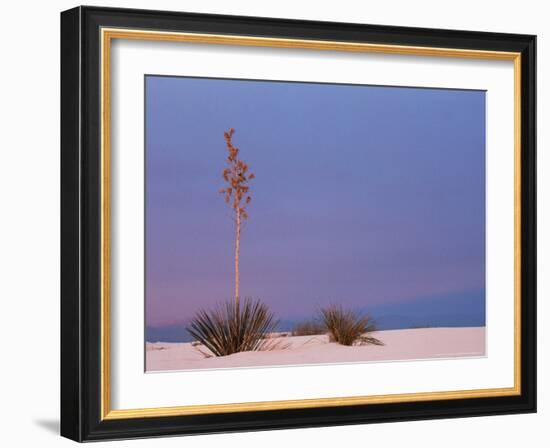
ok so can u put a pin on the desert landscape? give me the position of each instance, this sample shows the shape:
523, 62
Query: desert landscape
335, 226
408, 344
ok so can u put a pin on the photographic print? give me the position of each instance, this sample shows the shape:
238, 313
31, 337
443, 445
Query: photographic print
294, 223
254, 201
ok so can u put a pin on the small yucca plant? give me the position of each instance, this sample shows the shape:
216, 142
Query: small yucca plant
309, 328
348, 327
235, 327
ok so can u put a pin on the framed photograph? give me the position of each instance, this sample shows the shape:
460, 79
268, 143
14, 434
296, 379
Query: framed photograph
272, 223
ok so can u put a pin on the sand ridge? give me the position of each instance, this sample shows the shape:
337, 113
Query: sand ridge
409, 344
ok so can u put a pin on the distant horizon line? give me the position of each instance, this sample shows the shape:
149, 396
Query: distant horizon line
187, 338
405, 301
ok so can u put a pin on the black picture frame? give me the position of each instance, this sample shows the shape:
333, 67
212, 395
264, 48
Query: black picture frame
81, 224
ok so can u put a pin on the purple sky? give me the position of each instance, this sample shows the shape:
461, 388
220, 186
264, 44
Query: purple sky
364, 195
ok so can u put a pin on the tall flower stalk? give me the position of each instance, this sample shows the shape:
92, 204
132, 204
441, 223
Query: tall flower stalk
233, 326
237, 194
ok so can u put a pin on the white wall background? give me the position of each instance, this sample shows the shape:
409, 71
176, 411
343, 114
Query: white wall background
29, 227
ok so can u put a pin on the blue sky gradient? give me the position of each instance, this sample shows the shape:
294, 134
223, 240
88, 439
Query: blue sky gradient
366, 196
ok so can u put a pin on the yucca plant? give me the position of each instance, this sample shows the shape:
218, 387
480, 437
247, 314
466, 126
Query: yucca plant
309, 328
348, 327
235, 327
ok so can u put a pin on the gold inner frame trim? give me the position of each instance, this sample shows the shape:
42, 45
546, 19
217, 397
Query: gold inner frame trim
107, 35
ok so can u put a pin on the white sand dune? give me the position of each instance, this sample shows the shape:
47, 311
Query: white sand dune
419, 343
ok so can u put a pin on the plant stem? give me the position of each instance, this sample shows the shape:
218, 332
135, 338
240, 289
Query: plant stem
237, 251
